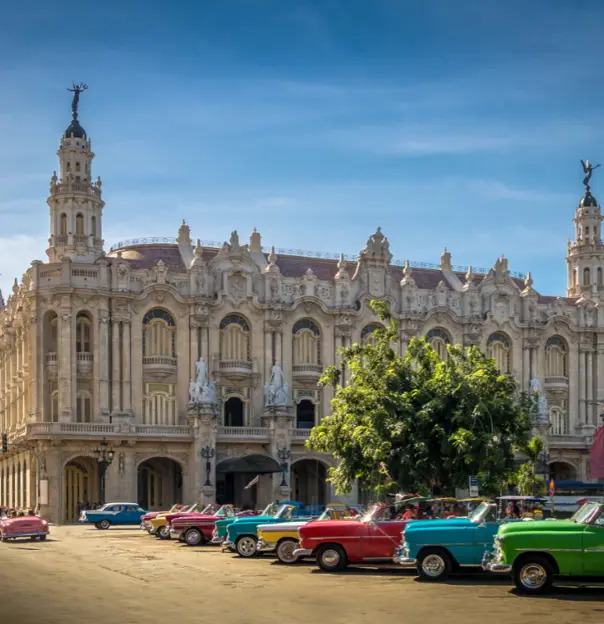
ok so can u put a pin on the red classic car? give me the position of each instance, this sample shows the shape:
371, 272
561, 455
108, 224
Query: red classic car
146, 519
196, 529
23, 526
336, 543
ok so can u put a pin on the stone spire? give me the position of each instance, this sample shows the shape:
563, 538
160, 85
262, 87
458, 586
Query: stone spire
407, 272
255, 241
272, 262
342, 272
445, 260
198, 260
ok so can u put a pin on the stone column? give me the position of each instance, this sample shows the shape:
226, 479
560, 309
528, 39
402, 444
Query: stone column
51, 484
65, 363
526, 367
279, 347
126, 350
115, 371
203, 420
103, 357
581, 382
193, 355
268, 353
281, 422
589, 391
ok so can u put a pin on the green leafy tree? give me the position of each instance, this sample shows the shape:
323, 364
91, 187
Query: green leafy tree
414, 422
527, 481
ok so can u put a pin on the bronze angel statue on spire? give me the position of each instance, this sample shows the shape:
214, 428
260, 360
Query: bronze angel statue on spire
588, 169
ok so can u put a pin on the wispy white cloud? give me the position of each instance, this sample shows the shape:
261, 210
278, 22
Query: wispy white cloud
16, 255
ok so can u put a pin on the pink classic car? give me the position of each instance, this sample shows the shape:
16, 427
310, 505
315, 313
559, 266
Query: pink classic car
23, 526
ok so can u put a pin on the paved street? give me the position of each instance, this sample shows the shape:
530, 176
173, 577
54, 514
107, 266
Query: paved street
123, 575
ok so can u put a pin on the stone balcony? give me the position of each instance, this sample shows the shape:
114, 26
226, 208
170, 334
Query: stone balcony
159, 365
556, 383
307, 373
243, 434
235, 369
85, 362
299, 436
51, 365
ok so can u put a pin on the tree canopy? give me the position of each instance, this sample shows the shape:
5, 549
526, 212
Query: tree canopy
416, 422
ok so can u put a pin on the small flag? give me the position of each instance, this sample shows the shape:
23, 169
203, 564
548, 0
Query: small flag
252, 482
552, 488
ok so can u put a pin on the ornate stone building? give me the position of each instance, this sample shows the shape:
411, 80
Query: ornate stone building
97, 345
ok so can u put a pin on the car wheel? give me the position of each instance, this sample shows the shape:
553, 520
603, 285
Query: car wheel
246, 546
151, 531
434, 564
285, 551
533, 575
164, 532
104, 524
193, 537
332, 558
42, 538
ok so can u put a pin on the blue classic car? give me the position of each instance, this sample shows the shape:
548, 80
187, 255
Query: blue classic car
114, 514
435, 547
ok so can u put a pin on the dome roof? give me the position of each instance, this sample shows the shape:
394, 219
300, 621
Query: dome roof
588, 200
75, 129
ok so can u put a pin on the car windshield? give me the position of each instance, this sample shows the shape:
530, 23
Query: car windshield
485, 512
586, 513
375, 512
211, 509
271, 509
226, 511
285, 512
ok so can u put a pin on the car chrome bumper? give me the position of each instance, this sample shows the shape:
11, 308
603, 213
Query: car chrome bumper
406, 562
216, 540
498, 568
302, 552
226, 544
32, 534
265, 547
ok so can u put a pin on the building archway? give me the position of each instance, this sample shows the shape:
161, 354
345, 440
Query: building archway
305, 414
233, 474
309, 482
562, 471
234, 412
159, 483
81, 486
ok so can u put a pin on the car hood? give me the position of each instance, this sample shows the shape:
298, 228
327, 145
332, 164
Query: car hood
150, 516
253, 519
438, 524
282, 526
195, 516
329, 525
544, 526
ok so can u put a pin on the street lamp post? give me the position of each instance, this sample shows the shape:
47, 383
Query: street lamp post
104, 456
284, 455
208, 453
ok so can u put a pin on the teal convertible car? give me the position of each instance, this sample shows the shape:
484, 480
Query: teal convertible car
114, 514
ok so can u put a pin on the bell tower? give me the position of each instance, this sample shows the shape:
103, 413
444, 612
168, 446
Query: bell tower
75, 202
585, 258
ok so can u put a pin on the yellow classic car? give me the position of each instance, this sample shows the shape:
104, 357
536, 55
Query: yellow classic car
282, 539
160, 525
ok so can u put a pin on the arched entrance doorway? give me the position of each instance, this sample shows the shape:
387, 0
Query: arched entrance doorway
561, 471
305, 414
309, 482
233, 412
235, 473
159, 483
80, 486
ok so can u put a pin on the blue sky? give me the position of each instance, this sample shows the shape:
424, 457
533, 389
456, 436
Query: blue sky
457, 124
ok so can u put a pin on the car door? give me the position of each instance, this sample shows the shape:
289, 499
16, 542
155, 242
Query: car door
131, 515
381, 538
483, 537
593, 548
118, 514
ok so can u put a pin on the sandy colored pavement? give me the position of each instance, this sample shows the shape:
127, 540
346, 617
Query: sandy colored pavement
123, 575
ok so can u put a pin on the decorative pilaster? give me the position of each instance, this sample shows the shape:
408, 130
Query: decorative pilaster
65, 365
126, 384
103, 360
115, 373
203, 420
280, 420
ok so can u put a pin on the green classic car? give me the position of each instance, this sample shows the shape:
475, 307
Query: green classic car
542, 553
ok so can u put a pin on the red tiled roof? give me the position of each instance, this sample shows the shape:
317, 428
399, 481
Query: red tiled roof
152, 254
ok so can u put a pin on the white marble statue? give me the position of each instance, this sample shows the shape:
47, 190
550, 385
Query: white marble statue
200, 390
202, 373
537, 388
276, 392
208, 393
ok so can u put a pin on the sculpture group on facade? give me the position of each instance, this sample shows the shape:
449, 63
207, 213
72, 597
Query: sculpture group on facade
201, 390
276, 391
537, 390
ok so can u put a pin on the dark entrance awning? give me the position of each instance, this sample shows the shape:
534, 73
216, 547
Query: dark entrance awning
257, 464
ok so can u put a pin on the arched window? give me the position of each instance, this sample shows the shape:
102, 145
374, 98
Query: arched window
600, 283
63, 224
559, 421
84, 407
556, 357
438, 339
586, 277
93, 226
159, 405
305, 414
498, 348
54, 406
368, 333
78, 166
79, 225
234, 412
307, 342
83, 334
234, 339
159, 334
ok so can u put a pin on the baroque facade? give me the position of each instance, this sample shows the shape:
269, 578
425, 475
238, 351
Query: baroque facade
102, 346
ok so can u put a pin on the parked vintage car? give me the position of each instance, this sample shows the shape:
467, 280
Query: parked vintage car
542, 553
242, 535
336, 543
146, 519
161, 523
198, 529
23, 526
282, 538
113, 514
220, 531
